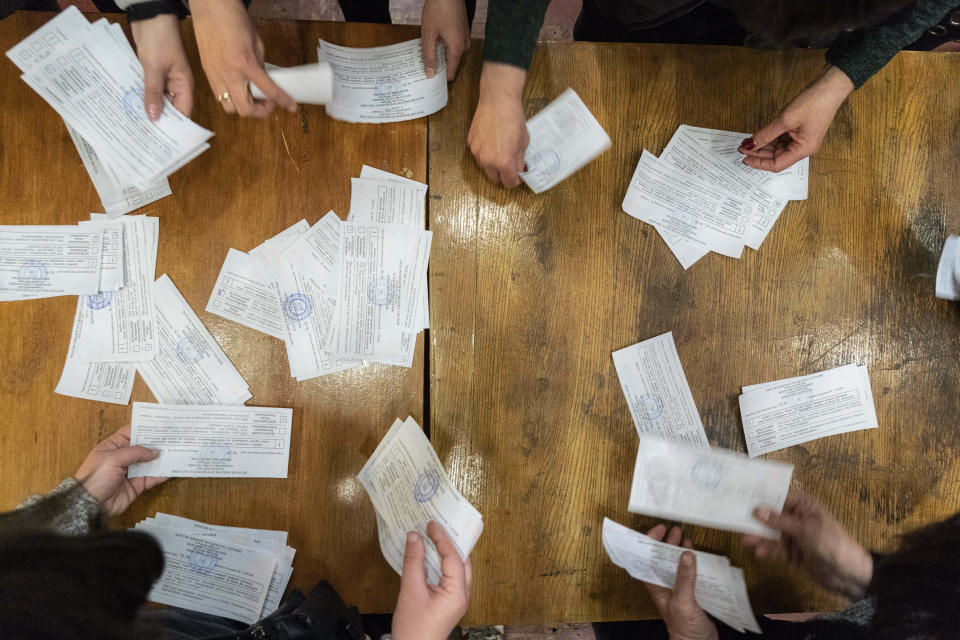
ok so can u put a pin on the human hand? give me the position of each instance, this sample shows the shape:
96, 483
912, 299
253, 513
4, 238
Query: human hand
426, 611
812, 539
498, 135
799, 129
678, 607
231, 52
165, 65
104, 472
444, 20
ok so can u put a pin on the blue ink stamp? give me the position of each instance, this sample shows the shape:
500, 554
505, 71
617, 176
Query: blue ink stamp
187, 351
546, 162
426, 485
215, 452
688, 217
385, 90
201, 562
101, 300
297, 307
707, 473
133, 105
651, 406
378, 292
32, 271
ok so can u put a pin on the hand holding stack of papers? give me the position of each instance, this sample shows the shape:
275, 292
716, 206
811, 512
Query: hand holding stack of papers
564, 137
91, 76
720, 588
783, 413
232, 572
701, 197
409, 487
948, 271
211, 441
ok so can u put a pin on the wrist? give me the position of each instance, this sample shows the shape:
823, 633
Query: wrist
501, 82
834, 80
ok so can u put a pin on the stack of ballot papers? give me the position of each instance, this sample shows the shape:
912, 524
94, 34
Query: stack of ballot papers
339, 293
211, 441
711, 487
701, 197
783, 413
564, 137
232, 572
91, 76
39, 261
948, 271
409, 487
657, 392
383, 84
720, 588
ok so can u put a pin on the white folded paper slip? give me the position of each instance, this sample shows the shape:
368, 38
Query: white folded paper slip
233, 572
657, 392
788, 412
212, 441
948, 270
39, 261
710, 487
409, 487
720, 588
306, 84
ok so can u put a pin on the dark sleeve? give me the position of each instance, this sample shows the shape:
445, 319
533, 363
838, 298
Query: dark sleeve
512, 30
67, 510
860, 54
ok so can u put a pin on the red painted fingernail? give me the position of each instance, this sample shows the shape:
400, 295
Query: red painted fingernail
749, 144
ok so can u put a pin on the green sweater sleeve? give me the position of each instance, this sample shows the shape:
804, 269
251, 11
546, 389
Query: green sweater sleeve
860, 54
512, 30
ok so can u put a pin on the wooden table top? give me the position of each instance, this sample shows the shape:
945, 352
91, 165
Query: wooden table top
529, 296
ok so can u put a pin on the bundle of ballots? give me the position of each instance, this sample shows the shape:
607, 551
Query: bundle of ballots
701, 197
232, 572
91, 76
338, 293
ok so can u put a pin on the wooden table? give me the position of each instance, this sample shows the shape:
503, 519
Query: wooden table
530, 295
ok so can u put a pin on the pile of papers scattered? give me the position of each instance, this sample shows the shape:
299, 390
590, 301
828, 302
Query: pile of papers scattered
232, 572
564, 137
211, 441
701, 197
787, 412
720, 588
409, 487
91, 76
338, 293
948, 271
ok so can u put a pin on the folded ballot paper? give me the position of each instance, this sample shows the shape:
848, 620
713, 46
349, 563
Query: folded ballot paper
701, 197
409, 488
710, 487
232, 572
787, 412
720, 588
306, 84
91, 76
211, 441
564, 137
38, 261
338, 293
948, 271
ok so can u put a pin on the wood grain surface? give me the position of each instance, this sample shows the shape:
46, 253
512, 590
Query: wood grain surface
258, 177
531, 294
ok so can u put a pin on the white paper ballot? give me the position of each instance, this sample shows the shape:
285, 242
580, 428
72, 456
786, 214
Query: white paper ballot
657, 392
720, 588
190, 367
306, 84
948, 270
681, 203
211, 441
111, 262
120, 326
101, 381
43, 261
409, 488
242, 293
207, 575
244, 535
711, 487
383, 84
784, 413
564, 137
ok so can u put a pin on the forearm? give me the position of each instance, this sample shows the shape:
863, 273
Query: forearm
146, 9
513, 27
69, 510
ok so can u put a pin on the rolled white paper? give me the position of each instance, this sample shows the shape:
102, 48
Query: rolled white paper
307, 84
948, 271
